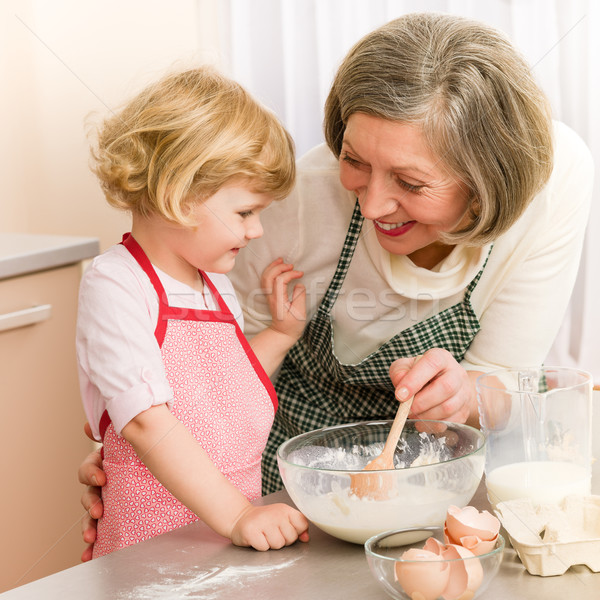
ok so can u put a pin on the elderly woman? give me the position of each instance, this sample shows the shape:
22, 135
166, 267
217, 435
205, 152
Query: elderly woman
444, 218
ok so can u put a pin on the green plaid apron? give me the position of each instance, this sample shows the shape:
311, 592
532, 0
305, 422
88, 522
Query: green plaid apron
315, 390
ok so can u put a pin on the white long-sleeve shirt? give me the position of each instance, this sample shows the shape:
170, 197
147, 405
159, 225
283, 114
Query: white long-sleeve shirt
520, 299
120, 363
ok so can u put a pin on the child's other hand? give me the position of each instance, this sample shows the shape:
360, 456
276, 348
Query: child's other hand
269, 527
288, 313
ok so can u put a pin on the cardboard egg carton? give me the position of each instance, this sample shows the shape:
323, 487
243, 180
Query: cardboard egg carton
550, 538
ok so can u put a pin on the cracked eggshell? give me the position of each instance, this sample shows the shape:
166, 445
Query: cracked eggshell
465, 575
467, 527
461, 579
435, 546
426, 577
476, 545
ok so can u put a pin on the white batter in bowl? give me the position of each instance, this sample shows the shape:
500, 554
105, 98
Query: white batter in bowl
433, 470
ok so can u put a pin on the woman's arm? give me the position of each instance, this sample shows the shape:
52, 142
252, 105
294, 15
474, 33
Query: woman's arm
176, 459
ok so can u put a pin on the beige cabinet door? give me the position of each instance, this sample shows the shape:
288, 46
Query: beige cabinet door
41, 426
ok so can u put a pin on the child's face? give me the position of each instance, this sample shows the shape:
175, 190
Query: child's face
226, 222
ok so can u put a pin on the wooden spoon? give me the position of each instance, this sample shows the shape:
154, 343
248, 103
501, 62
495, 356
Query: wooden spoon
377, 486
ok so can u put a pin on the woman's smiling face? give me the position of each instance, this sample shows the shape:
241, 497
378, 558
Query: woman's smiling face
404, 189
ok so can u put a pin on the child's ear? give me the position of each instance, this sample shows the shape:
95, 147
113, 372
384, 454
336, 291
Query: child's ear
186, 210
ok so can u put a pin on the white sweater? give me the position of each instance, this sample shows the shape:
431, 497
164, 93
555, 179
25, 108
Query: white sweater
520, 299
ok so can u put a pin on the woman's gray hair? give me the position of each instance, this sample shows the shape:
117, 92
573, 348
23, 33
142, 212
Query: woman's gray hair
475, 98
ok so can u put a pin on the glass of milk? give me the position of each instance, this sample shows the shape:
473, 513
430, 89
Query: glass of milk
538, 425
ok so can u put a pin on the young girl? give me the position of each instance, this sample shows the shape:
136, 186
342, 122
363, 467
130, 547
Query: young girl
169, 383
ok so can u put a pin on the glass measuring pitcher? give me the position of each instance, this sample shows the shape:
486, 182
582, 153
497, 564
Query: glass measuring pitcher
538, 425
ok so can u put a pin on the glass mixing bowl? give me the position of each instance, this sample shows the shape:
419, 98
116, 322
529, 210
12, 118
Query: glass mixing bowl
436, 464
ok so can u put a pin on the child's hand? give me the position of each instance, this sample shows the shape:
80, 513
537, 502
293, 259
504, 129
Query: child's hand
270, 527
288, 315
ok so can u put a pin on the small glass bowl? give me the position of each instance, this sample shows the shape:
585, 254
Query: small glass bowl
428, 579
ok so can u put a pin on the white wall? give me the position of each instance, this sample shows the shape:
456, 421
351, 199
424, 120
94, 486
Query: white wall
60, 61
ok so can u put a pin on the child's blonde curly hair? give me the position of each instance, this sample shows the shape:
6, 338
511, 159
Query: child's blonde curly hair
181, 139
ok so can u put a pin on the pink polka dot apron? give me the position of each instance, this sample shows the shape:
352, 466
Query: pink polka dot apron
221, 394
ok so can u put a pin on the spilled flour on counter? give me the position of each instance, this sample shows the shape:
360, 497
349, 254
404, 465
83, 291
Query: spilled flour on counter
205, 582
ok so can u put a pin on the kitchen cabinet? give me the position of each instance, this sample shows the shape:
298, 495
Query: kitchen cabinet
41, 430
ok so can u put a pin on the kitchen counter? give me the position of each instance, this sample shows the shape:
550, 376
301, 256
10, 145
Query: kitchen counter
195, 562
22, 253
